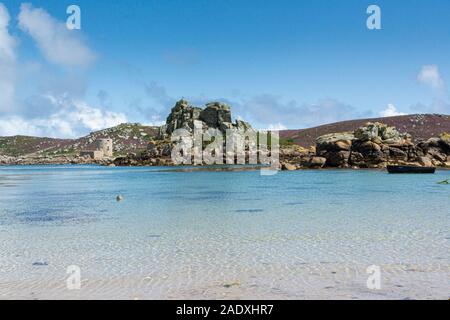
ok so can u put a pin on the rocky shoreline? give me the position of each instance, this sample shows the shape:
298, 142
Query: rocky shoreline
373, 145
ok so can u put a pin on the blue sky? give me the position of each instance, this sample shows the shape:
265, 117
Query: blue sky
279, 64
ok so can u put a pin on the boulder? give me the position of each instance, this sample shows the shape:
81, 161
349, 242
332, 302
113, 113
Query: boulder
397, 154
335, 148
424, 161
215, 114
368, 152
381, 133
317, 162
367, 132
288, 166
436, 148
364, 146
337, 159
334, 142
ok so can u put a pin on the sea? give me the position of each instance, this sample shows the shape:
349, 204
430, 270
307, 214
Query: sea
307, 234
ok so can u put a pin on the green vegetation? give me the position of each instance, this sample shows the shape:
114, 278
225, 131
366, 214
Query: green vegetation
19, 145
60, 152
445, 136
286, 142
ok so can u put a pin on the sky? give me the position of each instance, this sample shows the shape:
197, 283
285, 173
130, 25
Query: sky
278, 63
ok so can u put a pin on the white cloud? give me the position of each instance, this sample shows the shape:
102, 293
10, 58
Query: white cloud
71, 119
437, 105
61, 111
7, 42
263, 110
58, 44
430, 76
7, 62
276, 127
13, 125
391, 111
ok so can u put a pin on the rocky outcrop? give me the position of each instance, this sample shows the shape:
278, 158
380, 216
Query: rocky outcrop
335, 148
46, 159
436, 149
301, 158
420, 126
376, 144
217, 115
5, 160
184, 116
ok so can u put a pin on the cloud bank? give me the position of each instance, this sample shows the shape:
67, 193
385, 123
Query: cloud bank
58, 44
58, 108
71, 118
391, 111
429, 75
7, 63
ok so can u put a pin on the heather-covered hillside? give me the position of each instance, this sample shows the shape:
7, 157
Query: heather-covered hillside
420, 126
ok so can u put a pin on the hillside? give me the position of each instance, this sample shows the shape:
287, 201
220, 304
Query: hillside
131, 137
127, 137
420, 126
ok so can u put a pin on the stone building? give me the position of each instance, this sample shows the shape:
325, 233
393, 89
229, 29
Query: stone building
103, 149
94, 154
106, 146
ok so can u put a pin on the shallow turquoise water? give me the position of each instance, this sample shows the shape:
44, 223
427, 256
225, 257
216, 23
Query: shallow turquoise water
300, 234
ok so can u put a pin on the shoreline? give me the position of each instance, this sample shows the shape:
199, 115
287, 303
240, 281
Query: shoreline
206, 168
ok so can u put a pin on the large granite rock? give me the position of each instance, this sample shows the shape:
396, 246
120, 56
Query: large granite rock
335, 148
381, 133
285, 166
435, 149
183, 115
315, 162
216, 115
376, 144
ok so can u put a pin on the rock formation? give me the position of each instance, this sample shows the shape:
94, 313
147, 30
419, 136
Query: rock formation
215, 115
376, 144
